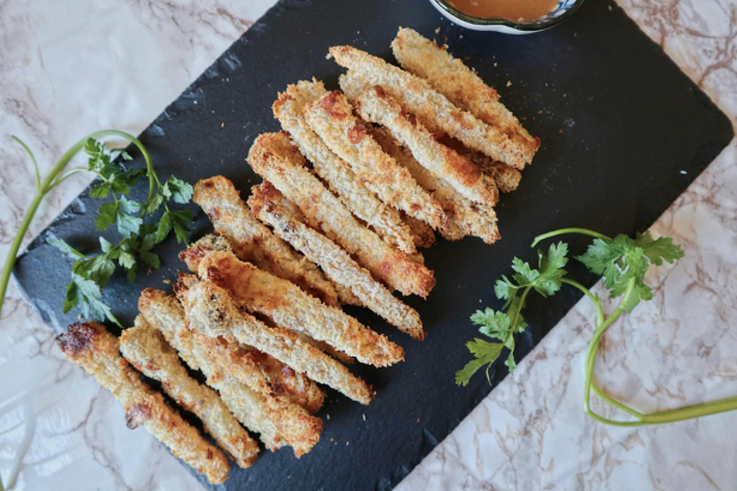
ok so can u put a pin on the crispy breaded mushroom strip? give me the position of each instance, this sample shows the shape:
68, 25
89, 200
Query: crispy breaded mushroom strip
507, 178
416, 96
193, 255
465, 218
290, 307
296, 387
457, 82
376, 106
422, 233
275, 159
169, 315
362, 202
210, 310
300, 430
164, 313
332, 118
253, 242
93, 348
145, 348
287, 221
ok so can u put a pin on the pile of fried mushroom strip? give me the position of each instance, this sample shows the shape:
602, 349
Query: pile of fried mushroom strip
359, 180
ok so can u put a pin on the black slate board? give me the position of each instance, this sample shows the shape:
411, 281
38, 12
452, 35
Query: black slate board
624, 133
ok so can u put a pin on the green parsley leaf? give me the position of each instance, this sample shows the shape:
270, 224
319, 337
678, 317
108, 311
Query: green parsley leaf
178, 190
179, 223
106, 215
493, 324
525, 274
551, 269
153, 204
485, 353
85, 294
658, 250
100, 191
505, 289
64, 247
165, 224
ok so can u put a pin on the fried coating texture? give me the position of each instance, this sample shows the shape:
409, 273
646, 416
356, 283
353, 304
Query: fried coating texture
363, 203
300, 430
145, 348
290, 307
332, 118
164, 313
275, 159
422, 234
507, 178
270, 206
253, 242
93, 348
466, 218
297, 387
461, 85
416, 96
376, 106
211, 311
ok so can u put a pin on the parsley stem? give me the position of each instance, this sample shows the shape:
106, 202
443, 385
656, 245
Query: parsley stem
574, 230
661, 417
35, 170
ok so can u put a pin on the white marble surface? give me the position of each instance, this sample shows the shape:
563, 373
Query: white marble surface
67, 68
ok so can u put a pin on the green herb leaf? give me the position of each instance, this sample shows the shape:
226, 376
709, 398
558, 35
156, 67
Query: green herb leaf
658, 250
505, 289
85, 294
106, 215
100, 191
493, 324
624, 259
551, 269
64, 247
179, 220
485, 352
165, 224
153, 204
178, 190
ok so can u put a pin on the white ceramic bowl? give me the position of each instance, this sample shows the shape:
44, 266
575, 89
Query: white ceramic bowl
561, 12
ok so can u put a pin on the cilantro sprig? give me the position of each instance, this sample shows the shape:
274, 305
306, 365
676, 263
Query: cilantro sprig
623, 262
90, 274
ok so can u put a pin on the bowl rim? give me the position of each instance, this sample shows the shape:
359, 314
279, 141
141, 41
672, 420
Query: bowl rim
443, 4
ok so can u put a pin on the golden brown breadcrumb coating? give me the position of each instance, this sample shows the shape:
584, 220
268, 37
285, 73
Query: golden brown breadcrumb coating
145, 348
164, 313
274, 158
284, 217
290, 307
93, 348
416, 96
252, 241
211, 311
465, 218
376, 106
332, 118
353, 193
461, 85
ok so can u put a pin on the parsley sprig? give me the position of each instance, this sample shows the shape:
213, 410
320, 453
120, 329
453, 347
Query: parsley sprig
90, 274
623, 262
502, 325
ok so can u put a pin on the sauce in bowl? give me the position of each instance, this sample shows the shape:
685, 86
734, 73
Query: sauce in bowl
504, 9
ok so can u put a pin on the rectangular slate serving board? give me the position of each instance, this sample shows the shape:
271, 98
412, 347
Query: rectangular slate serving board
624, 133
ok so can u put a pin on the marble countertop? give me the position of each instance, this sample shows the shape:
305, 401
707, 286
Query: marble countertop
69, 68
